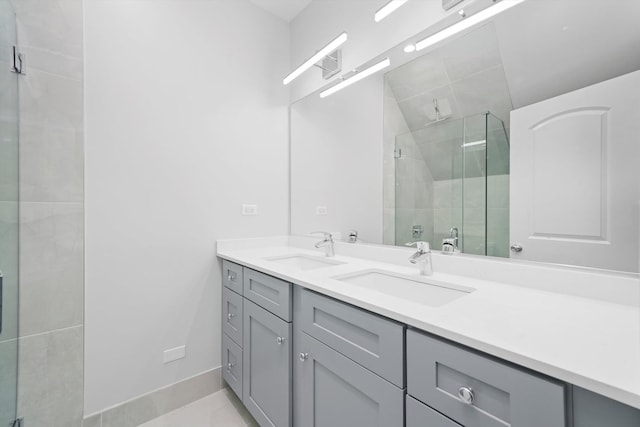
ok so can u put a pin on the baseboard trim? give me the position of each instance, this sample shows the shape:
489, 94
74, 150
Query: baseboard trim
146, 407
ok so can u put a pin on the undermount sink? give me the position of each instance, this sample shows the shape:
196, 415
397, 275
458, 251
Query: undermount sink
304, 262
423, 291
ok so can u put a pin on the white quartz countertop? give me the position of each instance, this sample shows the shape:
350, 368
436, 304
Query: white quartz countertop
590, 342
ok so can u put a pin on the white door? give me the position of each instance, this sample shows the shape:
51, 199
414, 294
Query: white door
575, 177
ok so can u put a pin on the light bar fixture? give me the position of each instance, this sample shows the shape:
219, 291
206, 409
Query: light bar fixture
356, 77
333, 45
474, 143
388, 9
467, 22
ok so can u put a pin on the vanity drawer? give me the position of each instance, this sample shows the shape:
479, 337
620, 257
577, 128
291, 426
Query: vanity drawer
420, 415
498, 394
268, 292
370, 340
232, 276
232, 315
232, 364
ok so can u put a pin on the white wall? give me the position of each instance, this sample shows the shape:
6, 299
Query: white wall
336, 158
186, 118
323, 20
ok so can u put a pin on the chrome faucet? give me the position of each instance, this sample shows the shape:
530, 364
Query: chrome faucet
450, 244
422, 257
327, 243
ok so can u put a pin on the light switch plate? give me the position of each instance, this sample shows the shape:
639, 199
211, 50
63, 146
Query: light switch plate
249, 209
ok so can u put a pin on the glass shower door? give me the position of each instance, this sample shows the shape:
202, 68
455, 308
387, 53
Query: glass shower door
8, 218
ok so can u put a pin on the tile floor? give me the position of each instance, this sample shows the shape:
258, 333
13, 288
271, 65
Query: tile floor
221, 409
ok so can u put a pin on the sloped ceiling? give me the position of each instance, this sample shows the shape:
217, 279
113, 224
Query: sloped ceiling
284, 9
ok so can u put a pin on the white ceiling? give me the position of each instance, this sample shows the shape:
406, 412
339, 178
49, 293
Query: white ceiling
285, 9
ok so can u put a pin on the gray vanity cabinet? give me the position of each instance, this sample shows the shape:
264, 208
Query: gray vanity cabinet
232, 276
372, 341
266, 366
334, 391
478, 391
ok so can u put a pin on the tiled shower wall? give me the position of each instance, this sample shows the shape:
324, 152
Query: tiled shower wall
50, 378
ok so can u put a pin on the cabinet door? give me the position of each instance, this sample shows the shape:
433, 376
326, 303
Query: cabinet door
267, 366
369, 340
232, 315
232, 364
232, 276
337, 392
420, 415
268, 292
475, 390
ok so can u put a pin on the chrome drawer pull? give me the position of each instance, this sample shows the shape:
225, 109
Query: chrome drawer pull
231, 276
230, 316
466, 395
280, 340
303, 356
229, 367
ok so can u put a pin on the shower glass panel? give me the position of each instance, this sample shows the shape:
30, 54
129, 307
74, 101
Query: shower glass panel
452, 179
8, 218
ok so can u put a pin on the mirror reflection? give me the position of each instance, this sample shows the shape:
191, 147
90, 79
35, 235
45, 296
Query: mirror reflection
493, 141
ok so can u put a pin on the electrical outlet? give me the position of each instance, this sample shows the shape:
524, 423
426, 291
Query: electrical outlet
249, 209
175, 353
321, 210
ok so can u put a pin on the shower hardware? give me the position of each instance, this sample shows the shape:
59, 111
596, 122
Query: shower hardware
18, 62
450, 244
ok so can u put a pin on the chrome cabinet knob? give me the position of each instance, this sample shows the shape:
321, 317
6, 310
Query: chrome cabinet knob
466, 395
280, 340
229, 366
516, 248
303, 356
231, 276
230, 316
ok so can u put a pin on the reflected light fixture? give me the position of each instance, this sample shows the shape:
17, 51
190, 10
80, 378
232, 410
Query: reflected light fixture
410, 48
388, 9
474, 143
325, 51
356, 77
467, 22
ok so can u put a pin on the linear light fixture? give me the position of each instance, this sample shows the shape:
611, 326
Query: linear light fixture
474, 143
388, 9
467, 22
333, 45
356, 77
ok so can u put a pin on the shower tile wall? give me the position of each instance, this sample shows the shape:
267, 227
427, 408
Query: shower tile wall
448, 201
50, 378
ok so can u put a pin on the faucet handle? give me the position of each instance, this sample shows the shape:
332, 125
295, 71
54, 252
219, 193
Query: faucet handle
422, 246
327, 236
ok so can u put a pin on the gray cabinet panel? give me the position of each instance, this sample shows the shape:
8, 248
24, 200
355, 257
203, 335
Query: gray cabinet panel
370, 340
232, 276
337, 392
232, 315
232, 364
420, 415
267, 366
268, 292
594, 410
502, 395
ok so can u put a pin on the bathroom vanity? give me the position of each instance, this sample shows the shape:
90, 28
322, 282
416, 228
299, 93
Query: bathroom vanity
316, 341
